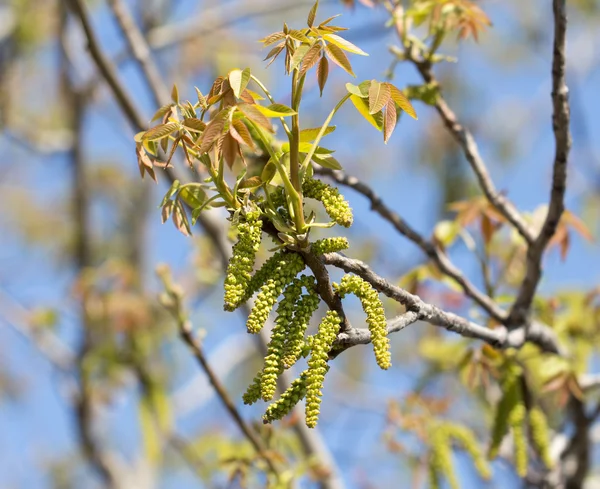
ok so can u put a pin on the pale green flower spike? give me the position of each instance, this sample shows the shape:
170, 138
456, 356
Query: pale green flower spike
373, 308
467, 440
336, 206
538, 424
329, 245
511, 399
317, 365
273, 360
304, 310
241, 263
516, 421
292, 396
252, 393
287, 268
441, 454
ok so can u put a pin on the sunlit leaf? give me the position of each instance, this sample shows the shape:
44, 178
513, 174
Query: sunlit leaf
379, 95
311, 58
271, 38
361, 90
194, 124
298, 35
193, 195
180, 219
175, 94
327, 161
213, 131
342, 43
161, 131
240, 133
307, 135
238, 80
376, 120
401, 101
389, 122
255, 115
339, 58
160, 113
276, 110
299, 55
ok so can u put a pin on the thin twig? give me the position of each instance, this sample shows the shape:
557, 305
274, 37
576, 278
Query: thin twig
562, 136
471, 151
440, 258
498, 337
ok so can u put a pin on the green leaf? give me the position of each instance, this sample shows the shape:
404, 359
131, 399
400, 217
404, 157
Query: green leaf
339, 58
271, 38
401, 101
363, 109
312, 14
379, 95
304, 147
327, 162
160, 131
268, 172
299, 55
298, 35
308, 135
172, 190
175, 94
238, 80
251, 182
361, 90
193, 195
340, 42
201, 98
445, 232
276, 110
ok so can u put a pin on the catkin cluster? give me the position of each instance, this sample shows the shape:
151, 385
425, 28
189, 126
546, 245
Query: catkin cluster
538, 427
373, 308
442, 435
287, 267
292, 396
317, 365
329, 245
239, 270
336, 206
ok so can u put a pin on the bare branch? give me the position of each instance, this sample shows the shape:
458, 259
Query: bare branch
471, 151
562, 136
498, 337
440, 258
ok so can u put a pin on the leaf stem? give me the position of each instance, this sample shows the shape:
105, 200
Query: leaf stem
294, 138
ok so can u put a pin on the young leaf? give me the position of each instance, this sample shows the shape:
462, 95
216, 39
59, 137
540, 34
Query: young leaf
193, 195
268, 172
213, 130
230, 149
166, 211
172, 191
240, 133
340, 42
308, 135
389, 123
339, 58
322, 74
252, 113
299, 54
238, 80
271, 38
361, 90
160, 131
311, 58
298, 35
327, 161
251, 182
180, 219
175, 94
312, 14
401, 100
201, 98
165, 109
193, 124
276, 110
379, 95
363, 108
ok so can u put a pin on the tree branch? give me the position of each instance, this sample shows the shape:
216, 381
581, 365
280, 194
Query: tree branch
440, 258
498, 337
562, 136
471, 151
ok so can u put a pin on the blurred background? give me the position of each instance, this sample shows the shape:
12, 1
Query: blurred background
96, 387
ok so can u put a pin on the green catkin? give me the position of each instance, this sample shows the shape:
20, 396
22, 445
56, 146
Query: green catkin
262, 274
466, 439
241, 263
510, 400
253, 391
292, 396
305, 308
373, 308
329, 245
273, 360
516, 420
336, 206
441, 454
287, 268
317, 365
538, 424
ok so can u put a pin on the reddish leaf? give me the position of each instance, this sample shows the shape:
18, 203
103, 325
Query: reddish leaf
180, 219
166, 211
339, 58
213, 130
252, 113
312, 13
379, 95
389, 123
240, 133
402, 101
322, 73
229, 149
271, 38
311, 57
